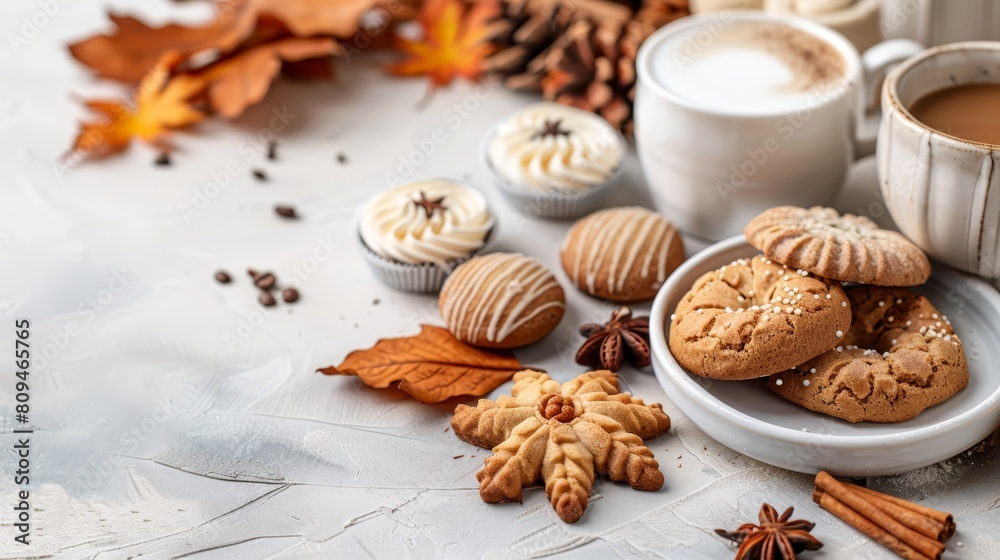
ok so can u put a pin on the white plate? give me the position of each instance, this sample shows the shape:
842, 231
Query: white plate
747, 417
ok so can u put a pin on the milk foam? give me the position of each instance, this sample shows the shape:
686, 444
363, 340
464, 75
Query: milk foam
749, 67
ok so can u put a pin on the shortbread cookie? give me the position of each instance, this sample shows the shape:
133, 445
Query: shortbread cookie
755, 317
622, 254
847, 248
899, 357
564, 434
501, 300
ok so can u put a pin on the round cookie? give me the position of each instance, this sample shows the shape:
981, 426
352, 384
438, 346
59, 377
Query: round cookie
899, 357
501, 300
755, 317
621, 254
847, 248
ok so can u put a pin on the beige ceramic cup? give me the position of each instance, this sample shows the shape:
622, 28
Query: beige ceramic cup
937, 22
943, 192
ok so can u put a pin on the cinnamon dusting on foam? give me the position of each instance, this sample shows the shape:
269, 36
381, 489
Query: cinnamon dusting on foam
812, 61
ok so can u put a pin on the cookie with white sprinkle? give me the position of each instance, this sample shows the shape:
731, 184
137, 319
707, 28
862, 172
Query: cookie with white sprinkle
841, 247
755, 317
899, 357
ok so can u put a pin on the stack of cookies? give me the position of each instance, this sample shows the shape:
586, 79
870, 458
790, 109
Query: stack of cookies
824, 316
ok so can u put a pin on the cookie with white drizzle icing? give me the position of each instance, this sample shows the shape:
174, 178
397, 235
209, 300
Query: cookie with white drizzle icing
501, 300
622, 254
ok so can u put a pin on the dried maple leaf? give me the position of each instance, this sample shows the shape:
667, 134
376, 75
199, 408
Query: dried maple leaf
432, 366
129, 52
161, 103
304, 18
133, 47
454, 42
237, 82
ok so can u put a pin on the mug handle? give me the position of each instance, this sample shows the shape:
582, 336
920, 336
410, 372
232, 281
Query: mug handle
877, 61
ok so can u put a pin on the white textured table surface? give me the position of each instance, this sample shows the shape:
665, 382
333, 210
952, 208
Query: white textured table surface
177, 418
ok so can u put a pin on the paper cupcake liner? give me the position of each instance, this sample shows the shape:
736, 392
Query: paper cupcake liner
424, 278
556, 204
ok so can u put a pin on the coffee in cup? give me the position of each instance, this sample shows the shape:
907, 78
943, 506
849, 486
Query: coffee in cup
968, 112
939, 153
737, 112
750, 67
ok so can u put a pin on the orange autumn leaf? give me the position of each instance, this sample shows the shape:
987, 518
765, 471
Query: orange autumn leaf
235, 83
433, 366
161, 103
455, 42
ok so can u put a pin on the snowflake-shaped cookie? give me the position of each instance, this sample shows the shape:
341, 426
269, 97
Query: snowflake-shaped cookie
566, 433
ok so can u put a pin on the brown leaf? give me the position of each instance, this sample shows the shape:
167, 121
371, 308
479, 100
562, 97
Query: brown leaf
317, 17
309, 69
130, 51
243, 79
432, 366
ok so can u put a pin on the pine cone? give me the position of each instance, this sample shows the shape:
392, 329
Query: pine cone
578, 52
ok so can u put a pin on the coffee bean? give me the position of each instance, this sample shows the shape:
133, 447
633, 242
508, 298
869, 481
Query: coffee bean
260, 175
272, 150
254, 275
163, 160
286, 212
341, 158
266, 281
290, 295
266, 299
223, 277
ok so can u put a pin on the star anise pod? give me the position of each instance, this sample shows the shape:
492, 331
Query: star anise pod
430, 206
775, 538
607, 346
551, 128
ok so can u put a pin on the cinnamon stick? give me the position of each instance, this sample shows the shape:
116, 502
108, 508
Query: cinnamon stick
940, 516
917, 521
861, 523
856, 501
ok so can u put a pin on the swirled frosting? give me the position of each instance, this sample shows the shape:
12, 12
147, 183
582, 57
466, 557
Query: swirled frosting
426, 222
552, 147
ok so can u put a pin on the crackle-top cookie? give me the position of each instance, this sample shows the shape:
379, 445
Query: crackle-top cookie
847, 248
755, 317
899, 357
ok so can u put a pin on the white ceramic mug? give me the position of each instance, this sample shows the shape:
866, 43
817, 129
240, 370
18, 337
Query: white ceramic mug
943, 192
710, 171
936, 22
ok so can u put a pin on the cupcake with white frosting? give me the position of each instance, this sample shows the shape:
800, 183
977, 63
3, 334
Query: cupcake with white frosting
413, 235
555, 161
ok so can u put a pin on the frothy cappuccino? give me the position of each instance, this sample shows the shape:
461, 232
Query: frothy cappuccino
749, 67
